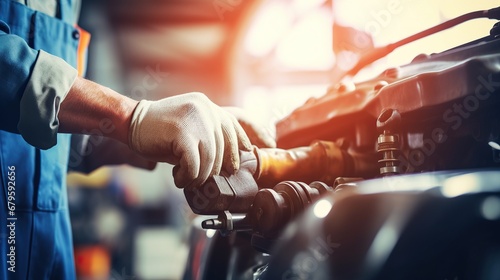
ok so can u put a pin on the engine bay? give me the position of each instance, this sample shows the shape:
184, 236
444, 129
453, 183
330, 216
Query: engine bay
394, 177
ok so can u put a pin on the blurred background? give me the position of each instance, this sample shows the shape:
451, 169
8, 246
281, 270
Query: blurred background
266, 56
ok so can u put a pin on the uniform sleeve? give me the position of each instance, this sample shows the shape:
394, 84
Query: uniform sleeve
34, 83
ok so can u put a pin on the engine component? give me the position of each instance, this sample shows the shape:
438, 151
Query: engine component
271, 210
274, 208
227, 222
231, 192
321, 161
264, 168
382, 232
388, 142
421, 91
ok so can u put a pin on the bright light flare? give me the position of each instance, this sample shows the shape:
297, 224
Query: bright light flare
490, 208
210, 233
308, 45
494, 145
273, 20
383, 242
459, 185
304, 5
322, 208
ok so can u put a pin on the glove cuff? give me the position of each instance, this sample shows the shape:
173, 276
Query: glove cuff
138, 116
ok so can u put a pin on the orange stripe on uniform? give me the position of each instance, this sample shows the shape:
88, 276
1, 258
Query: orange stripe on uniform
83, 44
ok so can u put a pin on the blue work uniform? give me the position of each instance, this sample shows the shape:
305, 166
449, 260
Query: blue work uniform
35, 236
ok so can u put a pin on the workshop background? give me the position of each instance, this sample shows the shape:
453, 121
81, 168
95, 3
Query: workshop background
266, 56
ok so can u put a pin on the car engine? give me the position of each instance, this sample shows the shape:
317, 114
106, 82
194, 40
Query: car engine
395, 177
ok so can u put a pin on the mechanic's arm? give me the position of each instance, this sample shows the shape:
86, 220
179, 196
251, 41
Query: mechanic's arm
187, 130
87, 104
88, 153
41, 96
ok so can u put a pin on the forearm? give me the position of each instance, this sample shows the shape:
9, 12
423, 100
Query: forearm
88, 104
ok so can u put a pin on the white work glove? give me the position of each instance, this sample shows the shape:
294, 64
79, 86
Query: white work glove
190, 132
257, 134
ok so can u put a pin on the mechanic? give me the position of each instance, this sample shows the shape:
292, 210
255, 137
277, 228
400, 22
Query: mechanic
44, 99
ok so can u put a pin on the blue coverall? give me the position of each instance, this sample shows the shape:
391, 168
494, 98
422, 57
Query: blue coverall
35, 236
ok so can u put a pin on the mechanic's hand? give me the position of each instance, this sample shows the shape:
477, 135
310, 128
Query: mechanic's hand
192, 133
257, 134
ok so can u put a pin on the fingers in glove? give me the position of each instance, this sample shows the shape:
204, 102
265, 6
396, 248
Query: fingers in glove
188, 168
244, 143
218, 150
208, 156
231, 145
258, 135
